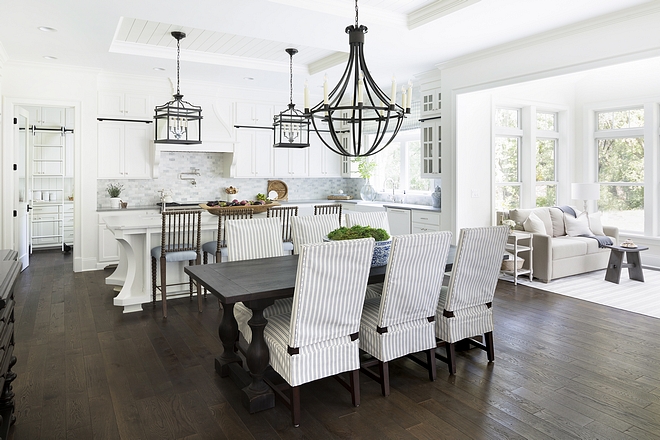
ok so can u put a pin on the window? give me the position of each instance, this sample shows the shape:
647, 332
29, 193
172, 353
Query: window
508, 140
620, 161
400, 164
546, 154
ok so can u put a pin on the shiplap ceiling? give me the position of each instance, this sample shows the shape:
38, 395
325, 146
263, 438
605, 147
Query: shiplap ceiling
229, 41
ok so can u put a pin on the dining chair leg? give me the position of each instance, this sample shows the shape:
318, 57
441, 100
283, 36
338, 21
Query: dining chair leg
355, 387
451, 357
384, 370
163, 285
190, 280
295, 406
430, 361
490, 348
153, 279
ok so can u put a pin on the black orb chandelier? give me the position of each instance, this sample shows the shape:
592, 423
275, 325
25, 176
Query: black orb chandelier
291, 126
178, 121
357, 106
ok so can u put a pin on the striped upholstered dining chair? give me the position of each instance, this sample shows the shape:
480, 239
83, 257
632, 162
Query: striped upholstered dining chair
319, 337
250, 240
465, 305
307, 229
400, 321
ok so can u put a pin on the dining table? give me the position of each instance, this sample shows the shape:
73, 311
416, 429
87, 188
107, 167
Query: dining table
257, 284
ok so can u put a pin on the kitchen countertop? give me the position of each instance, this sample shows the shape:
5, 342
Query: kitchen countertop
288, 202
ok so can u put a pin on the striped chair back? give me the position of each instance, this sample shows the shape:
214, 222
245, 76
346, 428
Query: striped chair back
253, 238
413, 278
229, 214
307, 229
284, 213
330, 286
476, 267
376, 219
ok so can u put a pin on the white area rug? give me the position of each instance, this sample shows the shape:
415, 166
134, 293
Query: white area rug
630, 295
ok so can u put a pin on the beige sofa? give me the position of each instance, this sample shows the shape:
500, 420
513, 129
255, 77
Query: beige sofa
556, 254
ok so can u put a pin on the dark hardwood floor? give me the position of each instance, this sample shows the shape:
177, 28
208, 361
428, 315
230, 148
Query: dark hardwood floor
564, 369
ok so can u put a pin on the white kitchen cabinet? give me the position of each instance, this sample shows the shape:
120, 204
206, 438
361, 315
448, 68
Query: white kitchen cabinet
125, 105
399, 220
46, 225
323, 162
291, 162
68, 223
253, 114
431, 149
47, 116
431, 102
124, 150
253, 155
425, 221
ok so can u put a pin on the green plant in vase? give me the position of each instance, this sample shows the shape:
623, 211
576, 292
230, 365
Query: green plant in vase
114, 190
381, 248
366, 169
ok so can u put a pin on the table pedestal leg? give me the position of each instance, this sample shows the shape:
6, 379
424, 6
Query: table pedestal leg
258, 395
613, 273
228, 332
634, 266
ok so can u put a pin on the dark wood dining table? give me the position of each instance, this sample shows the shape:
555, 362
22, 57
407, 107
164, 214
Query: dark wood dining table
256, 283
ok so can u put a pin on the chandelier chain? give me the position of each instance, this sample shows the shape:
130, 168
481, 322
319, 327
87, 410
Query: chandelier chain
291, 78
178, 54
356, 14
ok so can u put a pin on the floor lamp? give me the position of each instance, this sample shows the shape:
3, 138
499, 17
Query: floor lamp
584, 192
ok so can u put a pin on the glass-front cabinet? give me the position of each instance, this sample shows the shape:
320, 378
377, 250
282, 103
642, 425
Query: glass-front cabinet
431, 149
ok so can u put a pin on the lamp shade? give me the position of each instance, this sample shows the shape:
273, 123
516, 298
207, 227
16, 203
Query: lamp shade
585, 191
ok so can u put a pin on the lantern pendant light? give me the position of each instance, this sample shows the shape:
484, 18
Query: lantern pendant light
357, 106
291, 126
178, 121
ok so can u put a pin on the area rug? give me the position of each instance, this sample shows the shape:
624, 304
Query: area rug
630, 295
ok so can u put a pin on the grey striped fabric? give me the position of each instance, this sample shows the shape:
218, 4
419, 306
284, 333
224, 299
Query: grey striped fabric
471, 284
376, 219
308, 229
410, 293
327, 305
253, 238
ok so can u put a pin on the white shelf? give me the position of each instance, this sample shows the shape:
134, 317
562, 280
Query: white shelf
515, 247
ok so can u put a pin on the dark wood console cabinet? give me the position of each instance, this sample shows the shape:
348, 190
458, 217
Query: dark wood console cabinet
9, 271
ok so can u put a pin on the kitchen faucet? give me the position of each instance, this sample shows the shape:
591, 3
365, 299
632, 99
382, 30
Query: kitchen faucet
389, 179
194, 172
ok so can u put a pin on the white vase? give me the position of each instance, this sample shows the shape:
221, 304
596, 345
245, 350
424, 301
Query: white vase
114, 202
367, 192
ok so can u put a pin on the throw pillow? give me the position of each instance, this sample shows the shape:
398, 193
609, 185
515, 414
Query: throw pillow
595, 223
534, 225
576, 226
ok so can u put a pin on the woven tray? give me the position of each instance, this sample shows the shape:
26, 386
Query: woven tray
340, 197
257, 208
280, 188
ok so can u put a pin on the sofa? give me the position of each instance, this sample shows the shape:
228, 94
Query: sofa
557, 251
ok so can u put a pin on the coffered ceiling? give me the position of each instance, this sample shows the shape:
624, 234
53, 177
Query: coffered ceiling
230, 41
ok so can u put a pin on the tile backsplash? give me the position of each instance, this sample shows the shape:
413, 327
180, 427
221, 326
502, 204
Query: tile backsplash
210, 183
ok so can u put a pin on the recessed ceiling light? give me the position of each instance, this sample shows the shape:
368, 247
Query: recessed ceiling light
159, 68
47, 29
48, 57
248, 78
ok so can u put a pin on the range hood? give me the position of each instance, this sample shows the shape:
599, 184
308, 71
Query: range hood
204, 147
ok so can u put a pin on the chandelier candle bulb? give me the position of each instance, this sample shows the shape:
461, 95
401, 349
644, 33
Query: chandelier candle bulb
409, 96
403, 96
306, 97
325, 89
360, 96
393, 95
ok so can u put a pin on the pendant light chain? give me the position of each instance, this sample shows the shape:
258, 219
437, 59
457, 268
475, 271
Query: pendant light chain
178, 54
291, 78
356, 14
